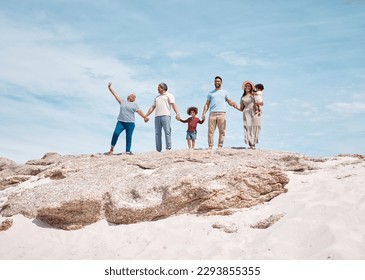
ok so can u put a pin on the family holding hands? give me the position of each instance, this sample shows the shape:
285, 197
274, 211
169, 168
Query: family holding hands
250, 105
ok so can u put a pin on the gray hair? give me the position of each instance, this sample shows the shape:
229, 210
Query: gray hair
163, 85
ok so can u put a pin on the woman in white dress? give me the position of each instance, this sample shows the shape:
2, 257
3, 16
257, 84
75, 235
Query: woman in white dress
251, 118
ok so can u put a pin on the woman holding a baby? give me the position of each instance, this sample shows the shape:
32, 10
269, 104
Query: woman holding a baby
250, 105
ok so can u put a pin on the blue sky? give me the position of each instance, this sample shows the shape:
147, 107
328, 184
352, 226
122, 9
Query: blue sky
57, 58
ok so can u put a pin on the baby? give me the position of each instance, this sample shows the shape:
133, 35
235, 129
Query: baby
258, 97
192, 124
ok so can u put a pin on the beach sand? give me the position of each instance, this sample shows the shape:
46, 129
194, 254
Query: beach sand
322, 216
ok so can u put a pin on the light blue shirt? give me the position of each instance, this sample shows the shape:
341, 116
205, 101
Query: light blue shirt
127, 110
218, 100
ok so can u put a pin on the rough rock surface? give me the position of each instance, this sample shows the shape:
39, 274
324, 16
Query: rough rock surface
268, 222
5, 225
69, 192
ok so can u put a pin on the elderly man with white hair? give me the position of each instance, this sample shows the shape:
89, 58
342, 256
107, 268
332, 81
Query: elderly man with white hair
163, 104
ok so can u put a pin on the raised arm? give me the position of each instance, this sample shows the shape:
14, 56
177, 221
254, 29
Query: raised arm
114, 93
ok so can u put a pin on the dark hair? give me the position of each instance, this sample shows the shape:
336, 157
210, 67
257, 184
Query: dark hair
259, 86
217, 77
244, 91
192, 109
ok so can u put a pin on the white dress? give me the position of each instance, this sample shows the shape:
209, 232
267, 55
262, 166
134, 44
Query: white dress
251, 120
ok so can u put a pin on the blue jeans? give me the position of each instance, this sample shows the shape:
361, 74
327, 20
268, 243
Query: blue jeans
128, 127
163, 122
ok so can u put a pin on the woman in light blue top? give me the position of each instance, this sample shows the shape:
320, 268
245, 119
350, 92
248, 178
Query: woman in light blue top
126, 120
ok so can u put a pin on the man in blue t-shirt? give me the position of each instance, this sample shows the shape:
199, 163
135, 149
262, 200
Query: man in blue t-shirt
216, 103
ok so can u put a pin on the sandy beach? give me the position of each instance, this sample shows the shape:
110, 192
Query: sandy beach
321, 216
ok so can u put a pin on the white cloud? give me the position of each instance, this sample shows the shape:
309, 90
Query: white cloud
54, 60
233, 58
177, 54
348, 107
359, 96
354, 105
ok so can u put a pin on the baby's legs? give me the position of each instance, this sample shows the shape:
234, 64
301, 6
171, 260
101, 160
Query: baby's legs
258, 109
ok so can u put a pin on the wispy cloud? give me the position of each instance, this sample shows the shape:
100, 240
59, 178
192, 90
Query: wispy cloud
238, 59
55, 61
354, 105
348, 107
359, 96
178, 54
233, 58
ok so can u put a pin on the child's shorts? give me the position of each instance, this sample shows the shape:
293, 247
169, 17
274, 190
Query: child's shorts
191, 135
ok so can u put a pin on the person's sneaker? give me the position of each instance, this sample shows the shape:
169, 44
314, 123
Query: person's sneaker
129, 153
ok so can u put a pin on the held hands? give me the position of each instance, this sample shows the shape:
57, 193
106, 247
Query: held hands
237, 107
177, 117
146, 119
109, 85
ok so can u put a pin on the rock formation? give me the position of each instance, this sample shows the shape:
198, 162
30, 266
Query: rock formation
70, 192
5, 225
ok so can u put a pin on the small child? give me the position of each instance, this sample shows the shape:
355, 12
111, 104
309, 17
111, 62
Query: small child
192, 124
258, 97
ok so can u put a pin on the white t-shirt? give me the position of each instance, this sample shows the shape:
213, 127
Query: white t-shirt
163, 104
258, 96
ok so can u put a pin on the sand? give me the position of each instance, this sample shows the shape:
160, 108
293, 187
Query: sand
322, 216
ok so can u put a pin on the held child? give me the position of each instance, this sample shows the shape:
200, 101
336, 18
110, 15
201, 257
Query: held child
192, 124
258, 97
